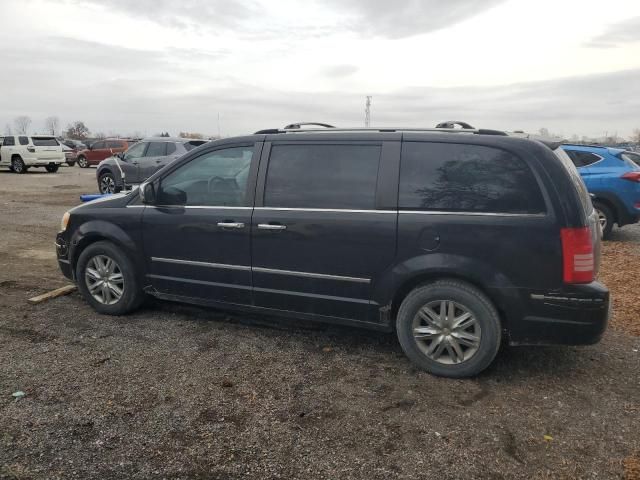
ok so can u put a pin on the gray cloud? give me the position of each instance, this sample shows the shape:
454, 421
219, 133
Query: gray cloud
627, 31
115, 89
404, 18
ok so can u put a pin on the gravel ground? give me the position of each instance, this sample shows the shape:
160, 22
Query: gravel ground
179, 392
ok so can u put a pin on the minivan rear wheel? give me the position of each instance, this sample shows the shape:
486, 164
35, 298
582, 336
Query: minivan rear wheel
606, 219
449, 328
107, 279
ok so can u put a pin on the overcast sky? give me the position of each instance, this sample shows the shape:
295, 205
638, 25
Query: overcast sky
124, 66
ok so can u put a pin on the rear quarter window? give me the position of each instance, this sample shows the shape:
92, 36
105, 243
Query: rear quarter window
23, 140
466, 178
576, 180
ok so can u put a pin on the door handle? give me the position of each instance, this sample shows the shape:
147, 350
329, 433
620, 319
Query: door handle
230, 225
269, 226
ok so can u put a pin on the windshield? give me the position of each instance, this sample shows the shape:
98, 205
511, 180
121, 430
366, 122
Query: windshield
631, 159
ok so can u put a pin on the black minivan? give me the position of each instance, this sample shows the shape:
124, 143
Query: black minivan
458, 240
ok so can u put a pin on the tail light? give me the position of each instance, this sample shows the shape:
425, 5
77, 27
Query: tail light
577, 255
632, 176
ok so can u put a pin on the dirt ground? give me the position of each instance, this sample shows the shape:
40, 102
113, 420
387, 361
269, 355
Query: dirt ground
178, 392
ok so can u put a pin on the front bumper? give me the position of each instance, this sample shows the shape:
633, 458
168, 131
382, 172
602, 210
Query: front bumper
573, 315
62, 254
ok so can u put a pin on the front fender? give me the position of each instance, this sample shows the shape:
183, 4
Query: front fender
97, 230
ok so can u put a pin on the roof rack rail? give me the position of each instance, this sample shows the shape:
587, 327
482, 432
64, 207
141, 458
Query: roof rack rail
444, 127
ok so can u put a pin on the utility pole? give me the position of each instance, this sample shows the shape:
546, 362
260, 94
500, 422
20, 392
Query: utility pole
367, 112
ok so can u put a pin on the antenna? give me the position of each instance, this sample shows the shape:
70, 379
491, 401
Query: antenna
367, 112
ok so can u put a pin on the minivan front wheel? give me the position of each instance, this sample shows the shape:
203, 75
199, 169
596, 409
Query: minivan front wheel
449, 328
107, 280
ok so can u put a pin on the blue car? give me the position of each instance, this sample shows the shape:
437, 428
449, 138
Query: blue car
613, 180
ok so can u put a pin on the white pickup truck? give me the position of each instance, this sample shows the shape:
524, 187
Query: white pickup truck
20, 152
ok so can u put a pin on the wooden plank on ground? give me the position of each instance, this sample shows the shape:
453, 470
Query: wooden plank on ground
58, 292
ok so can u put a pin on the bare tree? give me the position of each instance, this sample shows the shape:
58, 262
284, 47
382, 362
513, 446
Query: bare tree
77, 130
21, 124
100, 135
52, 124
636, 136
7, 129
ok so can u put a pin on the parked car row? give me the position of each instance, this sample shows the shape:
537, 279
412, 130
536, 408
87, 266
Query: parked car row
612, 176
140, 161
456, 240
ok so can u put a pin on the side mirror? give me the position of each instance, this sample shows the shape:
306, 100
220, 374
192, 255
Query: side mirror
173, 196
148, 193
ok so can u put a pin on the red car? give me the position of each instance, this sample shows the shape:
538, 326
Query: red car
102, 149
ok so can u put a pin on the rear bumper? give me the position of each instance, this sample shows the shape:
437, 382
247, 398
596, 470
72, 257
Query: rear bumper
574, 315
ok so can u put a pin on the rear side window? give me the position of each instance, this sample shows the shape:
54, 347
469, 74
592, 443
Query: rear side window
114, 144
171, 148
576, 180
9, 141
583, 159
44, 142
156, 149
322, 176
23, 140
466, 178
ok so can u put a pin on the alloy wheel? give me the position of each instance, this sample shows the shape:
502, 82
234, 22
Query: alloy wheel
104, 279
107, 184
447, 332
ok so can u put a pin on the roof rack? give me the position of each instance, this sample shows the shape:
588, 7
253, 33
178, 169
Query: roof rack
444, 127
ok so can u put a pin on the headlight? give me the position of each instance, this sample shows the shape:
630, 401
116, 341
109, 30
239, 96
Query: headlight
65, 221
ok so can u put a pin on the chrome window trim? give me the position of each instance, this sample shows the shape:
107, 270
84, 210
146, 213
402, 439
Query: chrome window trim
337, 210
246, 268
191, 207
311, 275
474, 214
201, 264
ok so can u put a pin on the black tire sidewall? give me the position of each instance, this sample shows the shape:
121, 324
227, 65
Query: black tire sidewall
476, 301
133, 295
52, 168
606, 233
18, 161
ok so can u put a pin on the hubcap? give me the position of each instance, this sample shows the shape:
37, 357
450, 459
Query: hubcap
107, 184
17, 166
446, 332
104, 279
603, 220
82, 162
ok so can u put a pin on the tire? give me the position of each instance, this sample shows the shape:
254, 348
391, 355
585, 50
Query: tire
121, 274
606, 217
71, 164
107, 183
18, 166
483, 323
52, 168
82, 162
